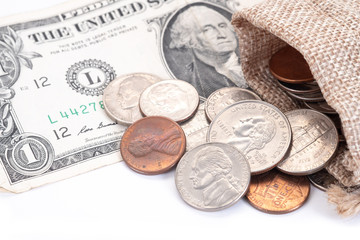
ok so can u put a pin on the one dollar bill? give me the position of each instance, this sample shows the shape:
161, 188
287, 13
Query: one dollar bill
55, 66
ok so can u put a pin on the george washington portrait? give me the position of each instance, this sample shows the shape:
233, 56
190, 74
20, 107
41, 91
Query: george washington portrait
200, 47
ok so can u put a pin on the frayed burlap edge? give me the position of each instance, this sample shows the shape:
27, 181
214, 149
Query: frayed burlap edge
347, 203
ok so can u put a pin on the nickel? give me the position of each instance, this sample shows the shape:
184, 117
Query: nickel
315, 140
212, 176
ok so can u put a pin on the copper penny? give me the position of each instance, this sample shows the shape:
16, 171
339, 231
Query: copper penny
153, 145
276, 192
289, 65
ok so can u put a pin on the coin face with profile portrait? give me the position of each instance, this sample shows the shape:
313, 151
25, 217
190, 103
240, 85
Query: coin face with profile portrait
175, 99
212, 176
152, 145
256, 128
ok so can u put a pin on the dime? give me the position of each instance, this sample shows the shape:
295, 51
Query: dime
307, 97
121, 96
195, 129
308, 87
322, 179
322, 107
224, 97
276, 192
258, 129
315, 140
212, 176
289, 65
153, 145
175, 99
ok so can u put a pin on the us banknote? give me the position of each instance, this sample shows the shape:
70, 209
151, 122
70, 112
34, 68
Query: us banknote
55, 64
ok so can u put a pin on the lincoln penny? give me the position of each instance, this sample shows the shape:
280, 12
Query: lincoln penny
153, 145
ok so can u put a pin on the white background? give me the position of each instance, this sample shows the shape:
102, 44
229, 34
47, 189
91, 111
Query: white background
116, 203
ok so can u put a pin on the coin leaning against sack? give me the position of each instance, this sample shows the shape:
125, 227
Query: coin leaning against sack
255, 131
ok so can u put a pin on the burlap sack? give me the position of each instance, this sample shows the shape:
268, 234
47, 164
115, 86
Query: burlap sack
327, 33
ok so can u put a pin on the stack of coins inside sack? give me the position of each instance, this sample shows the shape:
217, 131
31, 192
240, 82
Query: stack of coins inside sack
227, 146
293, 75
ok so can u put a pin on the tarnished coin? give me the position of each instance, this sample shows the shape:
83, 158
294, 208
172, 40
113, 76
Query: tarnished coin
258, 129
121, 96
315, 140
276, 192
175, 99
289, 65
307, 97
225, 97
212, 176
153, 145
322, 107
195, 129
322, 179
309, 87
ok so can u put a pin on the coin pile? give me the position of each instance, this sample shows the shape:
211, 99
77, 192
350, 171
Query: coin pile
293, 75
228, 146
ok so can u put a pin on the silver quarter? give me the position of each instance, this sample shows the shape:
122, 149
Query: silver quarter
212, 176
258, 129
224, 97
195, 129
121, 96
175, 99
315, 140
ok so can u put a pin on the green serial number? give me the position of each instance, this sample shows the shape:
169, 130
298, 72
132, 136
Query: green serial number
72, 112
